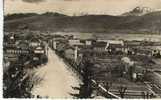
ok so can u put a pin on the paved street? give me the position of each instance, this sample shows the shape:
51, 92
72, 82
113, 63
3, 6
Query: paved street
58, 78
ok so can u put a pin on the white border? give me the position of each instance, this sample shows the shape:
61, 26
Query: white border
1, 48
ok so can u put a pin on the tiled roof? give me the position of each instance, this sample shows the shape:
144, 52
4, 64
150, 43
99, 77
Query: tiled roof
100, 44
115, 46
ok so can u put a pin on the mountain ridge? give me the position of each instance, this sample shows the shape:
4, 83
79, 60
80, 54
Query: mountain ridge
138, 11
148, 23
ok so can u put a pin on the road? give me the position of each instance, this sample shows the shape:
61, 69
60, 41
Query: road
58, 79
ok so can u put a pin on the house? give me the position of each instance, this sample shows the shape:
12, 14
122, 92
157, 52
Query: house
23, 45
156, 51
22, 48
115, 48
88, 42
133, 43
147, 43
58, 37
17, 51
99, 49
10, 57
39, 50
12, 38
143, 51
53, 44
75, 42
60, 46
9, 41
99, 46
34, 42
71, 53
121, 42
138, 73
68, 37
112, 41
12, 54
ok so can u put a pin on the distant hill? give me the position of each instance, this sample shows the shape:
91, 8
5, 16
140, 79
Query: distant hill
17, 16
138, 11
148, 23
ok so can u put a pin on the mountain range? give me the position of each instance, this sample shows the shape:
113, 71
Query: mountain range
135, 21
138, 11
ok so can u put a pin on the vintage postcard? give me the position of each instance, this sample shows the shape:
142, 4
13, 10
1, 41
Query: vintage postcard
79, 49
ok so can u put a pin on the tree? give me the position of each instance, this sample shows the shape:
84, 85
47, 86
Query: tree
108, 85
122, 90
86, 89
17, 83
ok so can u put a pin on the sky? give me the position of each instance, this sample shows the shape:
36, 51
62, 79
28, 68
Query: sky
77, 7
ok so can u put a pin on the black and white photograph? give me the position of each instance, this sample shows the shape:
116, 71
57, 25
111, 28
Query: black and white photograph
81, 49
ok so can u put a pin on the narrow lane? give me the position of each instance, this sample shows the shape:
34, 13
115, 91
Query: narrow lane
57, 79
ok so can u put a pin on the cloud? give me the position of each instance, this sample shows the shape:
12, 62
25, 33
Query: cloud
33, 1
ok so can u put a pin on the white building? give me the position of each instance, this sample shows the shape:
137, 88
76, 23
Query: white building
75, 42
